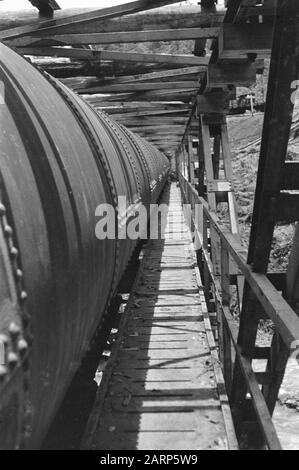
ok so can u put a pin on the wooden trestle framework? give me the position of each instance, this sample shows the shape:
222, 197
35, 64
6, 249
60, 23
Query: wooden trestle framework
180, 102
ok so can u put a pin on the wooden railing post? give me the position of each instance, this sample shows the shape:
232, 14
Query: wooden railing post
224, 336
190, 160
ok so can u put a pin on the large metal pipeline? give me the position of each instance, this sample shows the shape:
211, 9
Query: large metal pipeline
59, 160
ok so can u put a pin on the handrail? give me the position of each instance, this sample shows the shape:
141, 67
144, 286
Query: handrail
274, 305
277, 308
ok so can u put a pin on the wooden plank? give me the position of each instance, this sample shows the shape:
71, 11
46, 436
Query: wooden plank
131, 106
153, 126
64, 68
157, 129
237, 41
176, 16
164, 138
134, 87
80, 82
164, 74
150, 120
154, 95
116, 38
200, 49
87, 54
119, 114
103, 13
107, 70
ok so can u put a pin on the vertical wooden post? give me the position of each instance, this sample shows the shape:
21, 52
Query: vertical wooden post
201, 161
206, 274
206, 143
186, 161
182, 156
191, 160
216, 155
226, 155
224, 336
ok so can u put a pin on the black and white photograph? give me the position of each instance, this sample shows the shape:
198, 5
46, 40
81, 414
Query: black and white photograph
149, 235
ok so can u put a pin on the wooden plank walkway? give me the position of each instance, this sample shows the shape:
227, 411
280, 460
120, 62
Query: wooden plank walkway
163, 387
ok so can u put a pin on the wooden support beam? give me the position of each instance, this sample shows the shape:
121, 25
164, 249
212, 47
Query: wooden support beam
159, 75
88, 54
213, 103
135, 105
145, 108
154, 95
158, 128
45, 7
118, 115
238, 74
237, 41
207, 7
159, 134
150, 120
172, 17
190, 160
233, 7
163, 139
116, 38
64, 68
279, 109
166, 142
211, 196
228, 172
103, 13
135, 87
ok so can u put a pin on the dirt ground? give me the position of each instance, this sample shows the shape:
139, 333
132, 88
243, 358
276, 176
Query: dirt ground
245, 133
